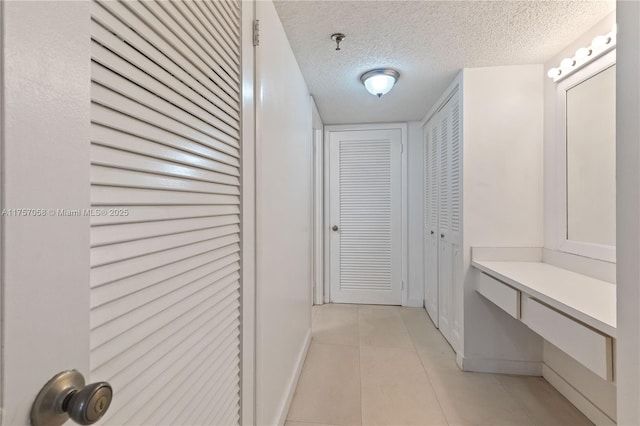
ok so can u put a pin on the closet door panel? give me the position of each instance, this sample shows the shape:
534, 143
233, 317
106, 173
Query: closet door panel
449, 219
455, 235
444, 224
431, 220
165, 269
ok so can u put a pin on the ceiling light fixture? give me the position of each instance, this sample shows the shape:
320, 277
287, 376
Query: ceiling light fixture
380, 81
599, 46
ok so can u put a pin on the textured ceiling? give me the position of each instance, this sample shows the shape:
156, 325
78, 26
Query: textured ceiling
427, 41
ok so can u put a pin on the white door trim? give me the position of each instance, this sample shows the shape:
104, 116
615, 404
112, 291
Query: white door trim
351, 127
248, 220
318, 217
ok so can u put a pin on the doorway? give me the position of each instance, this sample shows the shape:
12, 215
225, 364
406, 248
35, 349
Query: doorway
365, 232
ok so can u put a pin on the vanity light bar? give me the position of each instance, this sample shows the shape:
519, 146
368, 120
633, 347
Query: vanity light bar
599, 46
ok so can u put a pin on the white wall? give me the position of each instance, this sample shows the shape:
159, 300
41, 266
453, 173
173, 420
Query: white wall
415, 191
628, 212
316, 123
318, 205
596, 391
283, 218
502, 199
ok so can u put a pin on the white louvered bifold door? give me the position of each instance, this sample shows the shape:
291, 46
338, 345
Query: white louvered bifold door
165, 186
366, 209
455, 236
431, 219
449, 212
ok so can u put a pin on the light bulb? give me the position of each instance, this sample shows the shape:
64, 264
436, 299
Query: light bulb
600, 41
582, 53
554, 72
567, 63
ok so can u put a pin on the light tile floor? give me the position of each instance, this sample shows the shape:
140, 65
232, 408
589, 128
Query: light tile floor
385, 365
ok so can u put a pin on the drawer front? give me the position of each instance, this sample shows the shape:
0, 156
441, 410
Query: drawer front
505, 297
590, 348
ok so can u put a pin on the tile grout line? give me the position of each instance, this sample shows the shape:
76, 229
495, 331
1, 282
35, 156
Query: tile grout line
435, 393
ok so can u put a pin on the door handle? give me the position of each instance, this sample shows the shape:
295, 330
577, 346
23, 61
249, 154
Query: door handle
335, 227
441, 235
432, 232
66, 396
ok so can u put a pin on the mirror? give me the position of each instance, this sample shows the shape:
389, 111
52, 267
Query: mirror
587, 101
591, 159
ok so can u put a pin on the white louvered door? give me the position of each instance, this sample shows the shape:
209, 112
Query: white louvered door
449, 217
444, 224
431, 219
165, 170
455, 233
366, 209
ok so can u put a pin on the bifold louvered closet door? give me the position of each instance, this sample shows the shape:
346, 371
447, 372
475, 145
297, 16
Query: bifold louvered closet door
366, 216
165, 185
443, 216
431, 220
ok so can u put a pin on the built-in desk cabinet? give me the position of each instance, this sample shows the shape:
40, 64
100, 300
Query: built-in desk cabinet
540, 295
507, 298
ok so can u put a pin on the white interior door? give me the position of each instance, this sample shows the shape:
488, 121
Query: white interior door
365, 222
449, 218
455, 232
142, 124
431, 298
445, 276
45, 167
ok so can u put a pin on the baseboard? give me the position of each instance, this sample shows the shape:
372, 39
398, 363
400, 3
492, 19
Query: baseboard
459, 360
415, 303
294, 379
502, 366
585, 406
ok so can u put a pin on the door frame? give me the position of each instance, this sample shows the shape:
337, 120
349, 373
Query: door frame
248, 218
318, 218
404, 204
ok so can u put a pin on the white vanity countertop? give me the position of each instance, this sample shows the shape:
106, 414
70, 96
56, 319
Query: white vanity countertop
586, 299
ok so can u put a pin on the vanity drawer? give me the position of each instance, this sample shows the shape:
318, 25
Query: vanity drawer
591, 348
505, 297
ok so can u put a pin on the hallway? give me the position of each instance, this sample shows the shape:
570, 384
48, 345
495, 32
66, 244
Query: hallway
382, 365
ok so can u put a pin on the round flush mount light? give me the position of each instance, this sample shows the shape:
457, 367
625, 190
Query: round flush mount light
380, 81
